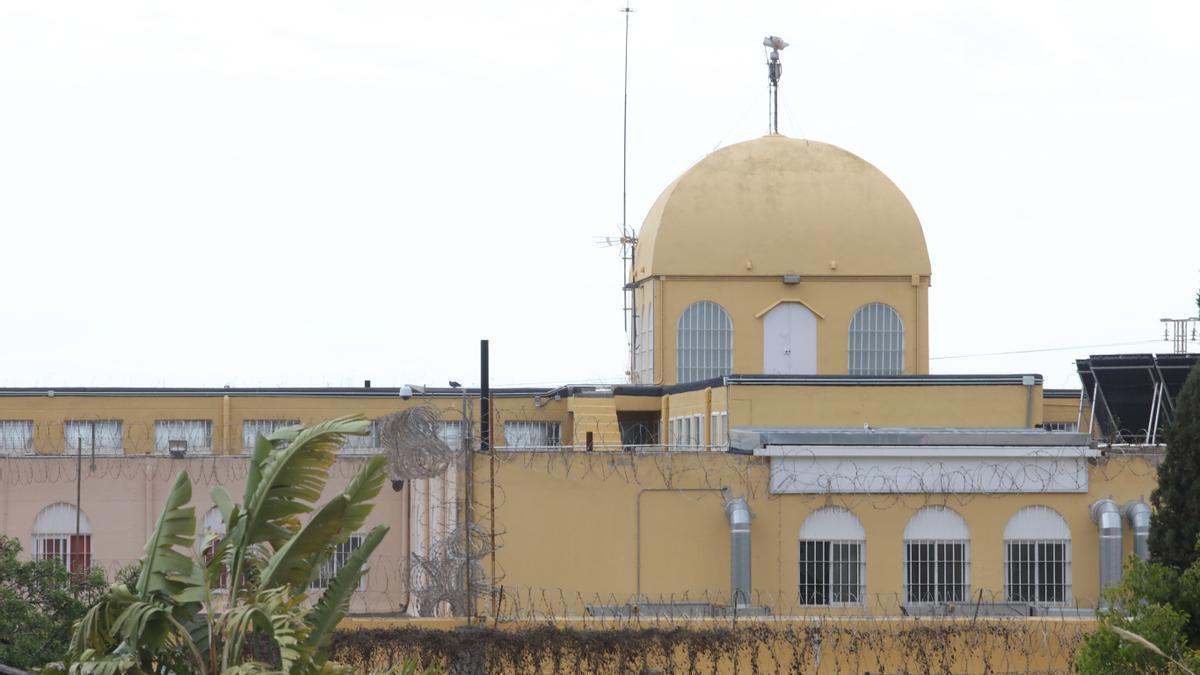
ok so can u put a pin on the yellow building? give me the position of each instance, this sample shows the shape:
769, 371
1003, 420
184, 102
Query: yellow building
781, 446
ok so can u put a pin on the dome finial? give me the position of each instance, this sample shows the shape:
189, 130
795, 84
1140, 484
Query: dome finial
774, 72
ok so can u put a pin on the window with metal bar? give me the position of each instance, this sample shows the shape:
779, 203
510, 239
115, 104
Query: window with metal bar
703, 342
937, 557
1060, 426
1037, 556
832, 558
532, 435
832, 572
16, 436
63, 533
336, 561
368, 443
107, 436
936, 571
252, 428
876, 341
185, 435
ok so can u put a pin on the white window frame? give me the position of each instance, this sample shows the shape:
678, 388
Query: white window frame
937, 552
336, 560
54, 535
719, 430
1029, 537
1061, 426
825, 533
108, 440
169, 430
876, 341
16, 437
703, 343
265, 426
549, 431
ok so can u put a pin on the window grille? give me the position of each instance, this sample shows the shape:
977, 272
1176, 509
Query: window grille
190, 435
55, 538
704, 343
1037, 556
937, 557
532, 435
335, 562
16, 435
252, 428
832, 572
1060, 426
368, 443
936, 570
832, 558
876, 341
108, 436
451, 434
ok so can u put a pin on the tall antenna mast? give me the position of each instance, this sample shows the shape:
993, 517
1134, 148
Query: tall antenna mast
774, 72
628, 239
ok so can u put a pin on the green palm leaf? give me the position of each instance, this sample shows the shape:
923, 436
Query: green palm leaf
335, 601
165, 568
297, 561
292, 479
363, 488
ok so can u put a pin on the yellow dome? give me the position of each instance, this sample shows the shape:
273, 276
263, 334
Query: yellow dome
776, 206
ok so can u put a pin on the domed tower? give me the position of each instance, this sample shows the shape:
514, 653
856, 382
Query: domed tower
780, 256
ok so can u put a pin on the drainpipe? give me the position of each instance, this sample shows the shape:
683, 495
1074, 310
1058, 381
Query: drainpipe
1107, 517
1138, 515
739, 515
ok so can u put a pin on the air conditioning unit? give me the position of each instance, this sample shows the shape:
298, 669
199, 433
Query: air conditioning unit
177, 449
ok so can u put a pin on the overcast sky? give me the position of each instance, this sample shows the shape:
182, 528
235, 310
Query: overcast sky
316, 193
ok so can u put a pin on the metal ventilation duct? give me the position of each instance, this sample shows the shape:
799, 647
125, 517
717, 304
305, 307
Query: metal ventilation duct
1138, 515
1107, 517
739, 515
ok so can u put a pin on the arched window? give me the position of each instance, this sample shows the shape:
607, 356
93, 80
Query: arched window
63, 533
937, 556
876, 341
703, 342
1037, 556
832, 558
212, 528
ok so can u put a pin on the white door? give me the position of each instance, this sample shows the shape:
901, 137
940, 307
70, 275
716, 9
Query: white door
790, 340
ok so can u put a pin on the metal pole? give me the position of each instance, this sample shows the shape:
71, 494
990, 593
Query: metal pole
468, 518
71, 555
1095, 390
485, 445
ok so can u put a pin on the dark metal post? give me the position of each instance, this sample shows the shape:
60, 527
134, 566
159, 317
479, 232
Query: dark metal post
78, 497
468, 503
485, 444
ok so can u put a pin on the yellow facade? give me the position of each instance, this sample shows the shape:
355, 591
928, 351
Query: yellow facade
811, 274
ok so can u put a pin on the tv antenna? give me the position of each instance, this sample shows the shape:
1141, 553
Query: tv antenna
774, 72
628, 238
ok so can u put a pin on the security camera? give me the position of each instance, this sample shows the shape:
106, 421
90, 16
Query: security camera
408, 390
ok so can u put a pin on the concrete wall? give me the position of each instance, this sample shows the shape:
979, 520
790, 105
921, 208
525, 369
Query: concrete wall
573, 525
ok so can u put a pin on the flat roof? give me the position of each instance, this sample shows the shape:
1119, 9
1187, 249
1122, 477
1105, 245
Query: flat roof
752, 438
